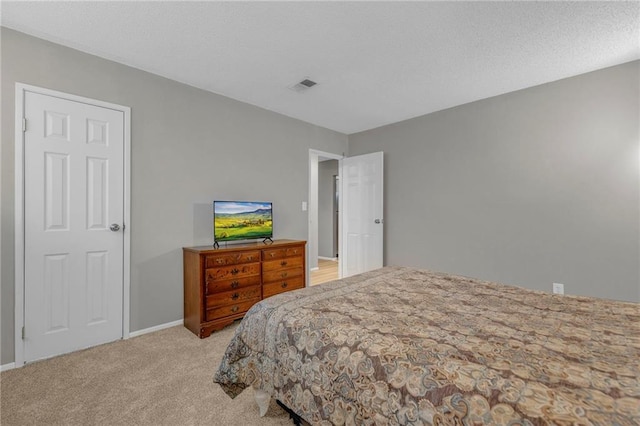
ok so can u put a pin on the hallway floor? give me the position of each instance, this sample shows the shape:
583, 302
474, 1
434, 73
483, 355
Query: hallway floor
328, 271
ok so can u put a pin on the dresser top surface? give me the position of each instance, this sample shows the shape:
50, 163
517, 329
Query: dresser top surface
258, 245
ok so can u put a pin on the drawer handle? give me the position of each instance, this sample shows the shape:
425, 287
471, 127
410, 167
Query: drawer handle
235, 284
284, 274
220, 261
272, 254
234, 296
249, 257
234, 271
283, 285
234, 309
283, 263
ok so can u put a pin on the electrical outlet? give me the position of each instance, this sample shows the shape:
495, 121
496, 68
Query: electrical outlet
304, 206
558, 288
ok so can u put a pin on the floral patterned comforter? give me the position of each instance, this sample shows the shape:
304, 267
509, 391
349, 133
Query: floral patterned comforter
402, 346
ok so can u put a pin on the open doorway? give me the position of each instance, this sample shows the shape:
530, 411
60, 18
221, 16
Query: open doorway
328, 210
361, 206
328, 196
323, 244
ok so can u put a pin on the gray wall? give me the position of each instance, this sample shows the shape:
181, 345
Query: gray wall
188, 148
326, 208
528, 188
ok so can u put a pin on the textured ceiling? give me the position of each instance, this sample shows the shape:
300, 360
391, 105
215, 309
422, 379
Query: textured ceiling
375, 62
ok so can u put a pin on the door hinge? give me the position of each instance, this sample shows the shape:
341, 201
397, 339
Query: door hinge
24, 124
24, 334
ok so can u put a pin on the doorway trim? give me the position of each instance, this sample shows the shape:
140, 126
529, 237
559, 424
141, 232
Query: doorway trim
312, 197
19, 221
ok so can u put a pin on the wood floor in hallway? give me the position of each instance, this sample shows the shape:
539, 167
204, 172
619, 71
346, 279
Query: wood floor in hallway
328, 271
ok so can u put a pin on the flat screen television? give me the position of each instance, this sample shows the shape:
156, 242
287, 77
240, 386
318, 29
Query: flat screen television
242, 220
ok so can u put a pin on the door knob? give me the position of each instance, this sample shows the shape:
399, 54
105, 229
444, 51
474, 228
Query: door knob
114, 227
377, 221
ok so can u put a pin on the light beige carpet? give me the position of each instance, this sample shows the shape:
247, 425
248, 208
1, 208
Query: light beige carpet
161, 378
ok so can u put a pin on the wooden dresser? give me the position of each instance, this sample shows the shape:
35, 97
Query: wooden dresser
221, 284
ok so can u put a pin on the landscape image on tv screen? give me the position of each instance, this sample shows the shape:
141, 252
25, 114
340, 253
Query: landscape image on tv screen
242, 220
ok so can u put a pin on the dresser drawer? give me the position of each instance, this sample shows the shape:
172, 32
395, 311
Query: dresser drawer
285, 263
222, 259
279, 253
269, 289
280, 274
225, 311
217, 286
232, 297
230, 272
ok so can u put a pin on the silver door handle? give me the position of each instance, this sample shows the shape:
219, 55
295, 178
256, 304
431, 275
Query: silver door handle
114, 227
377, 221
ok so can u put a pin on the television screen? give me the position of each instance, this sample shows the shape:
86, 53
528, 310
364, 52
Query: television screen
242, 220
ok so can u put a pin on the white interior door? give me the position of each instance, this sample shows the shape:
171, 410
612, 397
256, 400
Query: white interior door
73, 225
362, 219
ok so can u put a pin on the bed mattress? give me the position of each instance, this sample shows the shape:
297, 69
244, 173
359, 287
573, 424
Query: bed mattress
404, 346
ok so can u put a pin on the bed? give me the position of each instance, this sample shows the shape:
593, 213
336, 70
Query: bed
404, 346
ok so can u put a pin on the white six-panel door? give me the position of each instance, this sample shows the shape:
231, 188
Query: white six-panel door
73, 194
362, 213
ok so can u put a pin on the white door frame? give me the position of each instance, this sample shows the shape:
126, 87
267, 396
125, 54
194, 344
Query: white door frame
19, 208
312, 205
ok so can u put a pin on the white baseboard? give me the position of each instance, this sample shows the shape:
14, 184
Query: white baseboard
9, 366
314, 269
335, 259
137, 333
156, 328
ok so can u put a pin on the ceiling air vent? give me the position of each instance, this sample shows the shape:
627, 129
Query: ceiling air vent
303, 85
